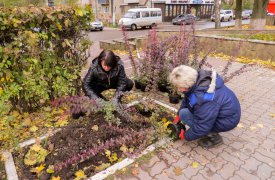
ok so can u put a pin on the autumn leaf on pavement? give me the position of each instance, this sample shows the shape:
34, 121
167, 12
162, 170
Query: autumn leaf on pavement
195, 164
79, 175
135, 171
240, 125
178, 171
272, 115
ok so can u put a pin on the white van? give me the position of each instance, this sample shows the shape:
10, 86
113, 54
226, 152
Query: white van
141, 17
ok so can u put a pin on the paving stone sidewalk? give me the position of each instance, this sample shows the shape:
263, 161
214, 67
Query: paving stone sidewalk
248, 151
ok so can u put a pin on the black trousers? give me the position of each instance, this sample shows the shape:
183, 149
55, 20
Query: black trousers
100, 89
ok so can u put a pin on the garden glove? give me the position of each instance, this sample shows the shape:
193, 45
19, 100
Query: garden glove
177, 128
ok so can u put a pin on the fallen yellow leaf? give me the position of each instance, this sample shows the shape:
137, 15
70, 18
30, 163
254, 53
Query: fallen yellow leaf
240, 125
260, 125
135, 171
33, 129
178, 171
55, 178
252, 128
79, 175
195, 164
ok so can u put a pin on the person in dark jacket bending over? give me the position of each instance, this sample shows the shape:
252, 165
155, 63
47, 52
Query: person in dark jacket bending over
106, 72
208, 107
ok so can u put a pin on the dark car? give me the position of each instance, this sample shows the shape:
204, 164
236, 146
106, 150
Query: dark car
184, 19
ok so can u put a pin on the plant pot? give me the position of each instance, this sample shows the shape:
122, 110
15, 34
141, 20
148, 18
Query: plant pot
143, 86
174, 98
163, 87
137, 84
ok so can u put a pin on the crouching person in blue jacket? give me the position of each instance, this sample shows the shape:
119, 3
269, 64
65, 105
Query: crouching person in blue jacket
208, 107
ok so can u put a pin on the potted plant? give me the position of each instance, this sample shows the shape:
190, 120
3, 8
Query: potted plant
174, 97
141, 82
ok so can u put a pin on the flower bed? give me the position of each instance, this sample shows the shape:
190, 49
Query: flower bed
91, 144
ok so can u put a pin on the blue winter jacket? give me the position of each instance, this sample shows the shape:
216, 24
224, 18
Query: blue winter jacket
214, 106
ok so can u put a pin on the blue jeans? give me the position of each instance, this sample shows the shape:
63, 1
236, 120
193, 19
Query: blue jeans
186, 117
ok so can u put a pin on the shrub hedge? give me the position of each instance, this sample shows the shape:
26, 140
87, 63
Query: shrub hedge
42, 51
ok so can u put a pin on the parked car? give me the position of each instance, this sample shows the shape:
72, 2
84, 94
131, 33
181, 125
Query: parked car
225, 15
184, 19
245, 15
249, 11
197, 1
141, 17
209, 1
95, 25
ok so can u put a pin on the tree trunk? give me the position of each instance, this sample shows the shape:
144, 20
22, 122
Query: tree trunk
258, 18
238, 14
217, 14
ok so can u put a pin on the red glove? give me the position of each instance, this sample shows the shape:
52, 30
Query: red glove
181, 135
176, 120
179, 127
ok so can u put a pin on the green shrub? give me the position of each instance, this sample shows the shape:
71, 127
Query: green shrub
42, 51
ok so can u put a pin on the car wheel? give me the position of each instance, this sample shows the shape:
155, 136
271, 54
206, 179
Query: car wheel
133, 27
222, 19
230, 18
101, 29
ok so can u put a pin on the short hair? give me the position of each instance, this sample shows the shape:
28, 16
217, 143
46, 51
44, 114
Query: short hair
183, 76
109, 58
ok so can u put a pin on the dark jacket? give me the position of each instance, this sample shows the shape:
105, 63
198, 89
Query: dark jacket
97, 78
214, 106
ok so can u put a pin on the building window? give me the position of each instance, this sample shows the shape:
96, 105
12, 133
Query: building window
166, 10
170, 10
104, 9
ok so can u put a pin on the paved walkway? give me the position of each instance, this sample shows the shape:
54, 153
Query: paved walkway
248, 151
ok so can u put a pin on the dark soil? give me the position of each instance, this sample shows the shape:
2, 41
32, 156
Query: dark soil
79, 136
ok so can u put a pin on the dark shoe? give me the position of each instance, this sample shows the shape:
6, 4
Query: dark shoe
211, 140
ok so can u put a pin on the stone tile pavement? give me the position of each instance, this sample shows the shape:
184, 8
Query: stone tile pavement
248, 151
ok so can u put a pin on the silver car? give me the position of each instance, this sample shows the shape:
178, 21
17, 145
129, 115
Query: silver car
95, 25
184, 19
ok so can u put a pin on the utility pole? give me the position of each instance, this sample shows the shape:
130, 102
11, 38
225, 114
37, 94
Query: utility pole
217, 14
113, 12
96, 15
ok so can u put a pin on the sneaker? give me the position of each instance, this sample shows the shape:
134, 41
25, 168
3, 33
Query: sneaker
211, 140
